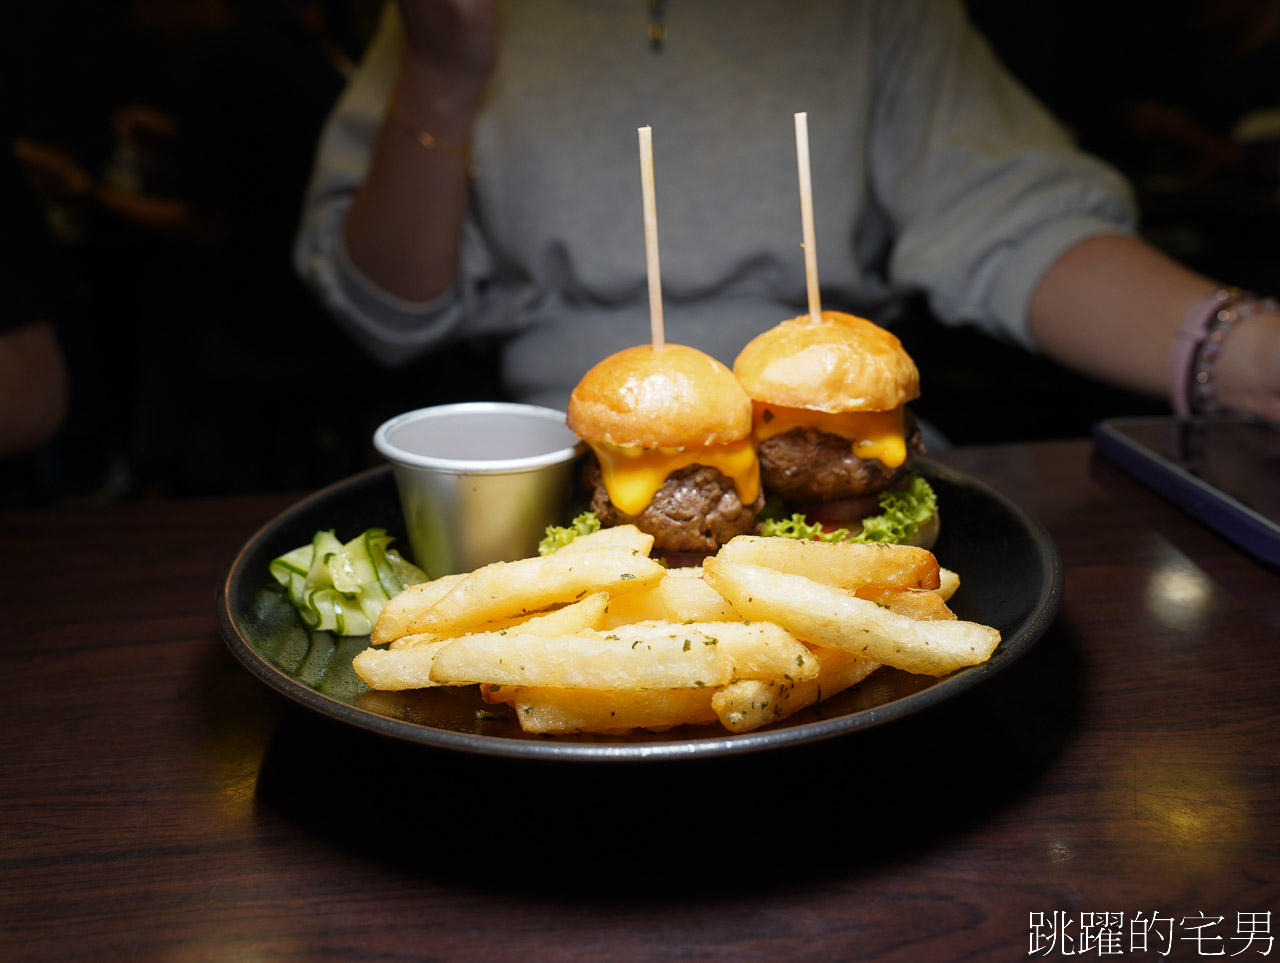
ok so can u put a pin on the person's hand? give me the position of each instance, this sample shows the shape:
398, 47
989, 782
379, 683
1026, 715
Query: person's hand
454, 40
1247, 375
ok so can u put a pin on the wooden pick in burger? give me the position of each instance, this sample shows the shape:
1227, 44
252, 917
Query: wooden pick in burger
669, 429
806, 216
651, 239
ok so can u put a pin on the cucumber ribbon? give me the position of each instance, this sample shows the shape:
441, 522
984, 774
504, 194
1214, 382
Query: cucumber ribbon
342, 588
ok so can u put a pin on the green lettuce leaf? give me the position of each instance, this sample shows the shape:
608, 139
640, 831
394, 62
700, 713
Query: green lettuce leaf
798, 526
558, 536
901, 515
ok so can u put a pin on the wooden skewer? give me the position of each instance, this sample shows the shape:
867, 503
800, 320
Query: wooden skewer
651, 238
806, 215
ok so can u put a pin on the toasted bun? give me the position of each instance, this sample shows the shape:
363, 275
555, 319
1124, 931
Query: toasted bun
842, 363
673, 396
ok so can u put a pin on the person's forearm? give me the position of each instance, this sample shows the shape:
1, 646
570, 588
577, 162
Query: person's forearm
404, 225
1111, 308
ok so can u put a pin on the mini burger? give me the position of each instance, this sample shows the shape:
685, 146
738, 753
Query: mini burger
834, 437
672, 452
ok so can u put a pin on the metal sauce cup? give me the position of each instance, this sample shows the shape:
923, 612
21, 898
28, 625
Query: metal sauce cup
479, 482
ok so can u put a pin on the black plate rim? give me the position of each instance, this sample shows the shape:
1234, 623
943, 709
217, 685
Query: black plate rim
1011, 648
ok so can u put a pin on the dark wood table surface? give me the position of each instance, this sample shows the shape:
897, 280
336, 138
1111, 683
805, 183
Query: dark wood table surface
160, 803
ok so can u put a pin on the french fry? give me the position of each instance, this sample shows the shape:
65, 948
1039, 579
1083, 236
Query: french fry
838, 670
751, 703
757, 650
684, 659
642, 606
558, 711
507, 589
407, 663
400, 611
395, 669
763, 650
827, 616
913, 603
949, 582
597, 637
619, 536
495, 694
586, 613
688, 598
748, 704
416, 638
842, 564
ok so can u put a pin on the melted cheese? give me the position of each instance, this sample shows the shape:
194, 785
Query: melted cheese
873, 434
632, 476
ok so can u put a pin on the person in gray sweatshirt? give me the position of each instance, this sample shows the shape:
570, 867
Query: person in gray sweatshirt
479, 178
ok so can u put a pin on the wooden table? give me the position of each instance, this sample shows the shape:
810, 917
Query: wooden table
159, 803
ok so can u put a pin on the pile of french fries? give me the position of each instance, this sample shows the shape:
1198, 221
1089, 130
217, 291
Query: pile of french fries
599, 637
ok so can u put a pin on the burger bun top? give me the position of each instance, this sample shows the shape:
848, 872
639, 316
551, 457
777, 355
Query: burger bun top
840, 363
647, 397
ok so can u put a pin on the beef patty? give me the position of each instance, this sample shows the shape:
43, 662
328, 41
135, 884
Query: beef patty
697, 509
807, 465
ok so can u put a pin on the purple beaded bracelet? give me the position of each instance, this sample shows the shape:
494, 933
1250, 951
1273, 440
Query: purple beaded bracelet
1199, 343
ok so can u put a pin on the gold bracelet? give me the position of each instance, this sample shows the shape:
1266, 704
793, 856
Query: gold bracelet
430, 141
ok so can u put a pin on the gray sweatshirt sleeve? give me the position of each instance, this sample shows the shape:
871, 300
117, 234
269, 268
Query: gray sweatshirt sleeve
984, 189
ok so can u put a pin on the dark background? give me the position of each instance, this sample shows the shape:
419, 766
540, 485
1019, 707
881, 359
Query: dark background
200, 366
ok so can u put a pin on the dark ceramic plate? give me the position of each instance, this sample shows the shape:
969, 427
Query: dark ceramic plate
1011, 578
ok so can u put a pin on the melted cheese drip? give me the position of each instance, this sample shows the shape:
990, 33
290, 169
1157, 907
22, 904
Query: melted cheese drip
874, 434
632, 476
